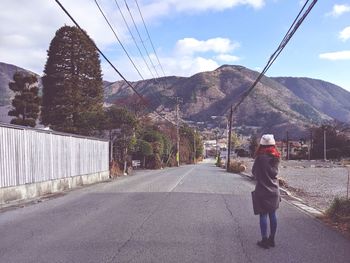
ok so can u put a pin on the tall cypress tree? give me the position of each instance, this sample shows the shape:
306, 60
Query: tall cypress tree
26, 101
72, 83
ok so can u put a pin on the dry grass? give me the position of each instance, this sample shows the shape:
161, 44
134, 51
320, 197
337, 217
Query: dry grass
345, 162
338, 215
115, 170
282, 182
237, 166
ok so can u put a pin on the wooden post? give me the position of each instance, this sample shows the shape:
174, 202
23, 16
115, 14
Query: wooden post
288, 146
348, 185
324, 145
177, 134
195, 147
229, 141
310, 145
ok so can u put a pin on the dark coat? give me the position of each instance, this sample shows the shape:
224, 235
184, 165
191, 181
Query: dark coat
265, 170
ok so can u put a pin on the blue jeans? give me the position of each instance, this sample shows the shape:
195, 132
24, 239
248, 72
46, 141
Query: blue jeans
273, 224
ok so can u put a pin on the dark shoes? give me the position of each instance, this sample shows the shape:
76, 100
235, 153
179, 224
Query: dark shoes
266, 243
271, 241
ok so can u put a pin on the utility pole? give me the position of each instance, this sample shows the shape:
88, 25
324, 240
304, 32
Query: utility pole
216, 132
125, 157
194, 146
287, 146
110, 147
310, 145
177, 133
348, 184
324, 145
229, 140
282, 148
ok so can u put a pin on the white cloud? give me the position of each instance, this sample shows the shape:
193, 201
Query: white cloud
217, 45
345, 34
214, 52
339, 55
29, 26
188, 65
24, 42
338, 10
173, 66
184, 61
227, 58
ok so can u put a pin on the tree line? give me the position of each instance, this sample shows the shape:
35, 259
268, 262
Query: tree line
72, 102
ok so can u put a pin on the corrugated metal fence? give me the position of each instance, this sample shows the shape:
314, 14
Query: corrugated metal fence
32, 155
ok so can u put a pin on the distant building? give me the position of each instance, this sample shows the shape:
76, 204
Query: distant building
297, 150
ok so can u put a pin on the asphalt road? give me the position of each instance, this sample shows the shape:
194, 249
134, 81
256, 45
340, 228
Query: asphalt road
195, 213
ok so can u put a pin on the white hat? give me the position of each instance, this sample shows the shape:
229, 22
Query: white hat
267, 139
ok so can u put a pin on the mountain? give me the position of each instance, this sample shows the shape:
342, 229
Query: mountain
6, 74
323, 96
276, 105
271, 107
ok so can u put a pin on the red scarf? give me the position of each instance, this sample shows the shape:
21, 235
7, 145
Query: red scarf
271, 150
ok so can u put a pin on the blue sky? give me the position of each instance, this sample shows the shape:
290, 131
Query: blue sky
189, 36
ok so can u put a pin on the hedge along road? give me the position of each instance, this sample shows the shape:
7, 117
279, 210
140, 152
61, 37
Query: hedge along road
194, 213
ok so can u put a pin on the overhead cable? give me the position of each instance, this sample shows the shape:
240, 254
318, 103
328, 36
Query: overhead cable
138, 48
141, 40
296, 24
110, 26
109, 62
116, 36
133, 38
149, 37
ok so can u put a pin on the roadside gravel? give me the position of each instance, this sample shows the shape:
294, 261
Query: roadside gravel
317, 183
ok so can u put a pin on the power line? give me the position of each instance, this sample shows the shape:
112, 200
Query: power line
133, 38
137, 46
149, 37
138, 32
278, 51
288, 32
116, 36
109, 62
293, 28
110, 26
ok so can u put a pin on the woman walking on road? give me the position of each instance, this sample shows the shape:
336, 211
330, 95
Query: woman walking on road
266, 197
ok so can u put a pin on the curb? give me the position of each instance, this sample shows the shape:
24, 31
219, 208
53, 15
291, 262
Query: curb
297, 202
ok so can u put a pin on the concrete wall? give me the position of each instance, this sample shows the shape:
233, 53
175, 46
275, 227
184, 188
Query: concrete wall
28, 191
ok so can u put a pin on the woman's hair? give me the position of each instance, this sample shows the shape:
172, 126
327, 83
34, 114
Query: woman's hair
261, 147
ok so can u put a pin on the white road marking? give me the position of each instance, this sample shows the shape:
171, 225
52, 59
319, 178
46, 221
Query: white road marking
182, 177
306, 208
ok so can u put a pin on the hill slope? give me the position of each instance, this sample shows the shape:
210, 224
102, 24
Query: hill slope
324, 96
6, 74
276, 104
271, 106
